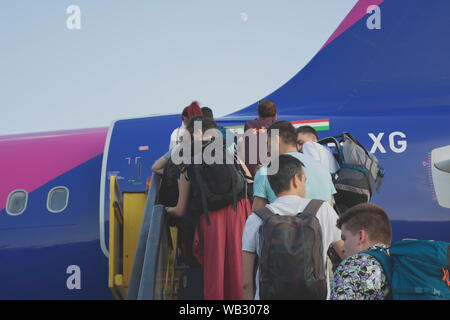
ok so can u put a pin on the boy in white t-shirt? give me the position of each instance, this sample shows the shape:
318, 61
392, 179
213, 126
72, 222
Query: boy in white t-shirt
289, 186
307, 138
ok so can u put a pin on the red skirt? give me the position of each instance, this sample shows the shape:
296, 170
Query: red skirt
222, 251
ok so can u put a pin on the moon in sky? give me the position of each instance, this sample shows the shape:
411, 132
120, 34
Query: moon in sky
244, 16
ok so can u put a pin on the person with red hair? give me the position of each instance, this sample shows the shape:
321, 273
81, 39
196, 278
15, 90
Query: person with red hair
189, 112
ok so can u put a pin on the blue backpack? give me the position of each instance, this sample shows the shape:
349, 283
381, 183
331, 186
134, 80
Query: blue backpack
417, 269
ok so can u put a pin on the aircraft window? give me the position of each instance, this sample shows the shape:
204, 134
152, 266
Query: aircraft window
17, 202
57, 199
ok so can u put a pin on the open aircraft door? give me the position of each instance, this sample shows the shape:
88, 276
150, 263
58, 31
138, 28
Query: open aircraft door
132, 146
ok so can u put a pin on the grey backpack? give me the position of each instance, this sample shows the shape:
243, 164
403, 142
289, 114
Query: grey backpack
358, 174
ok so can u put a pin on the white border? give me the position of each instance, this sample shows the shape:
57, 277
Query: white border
9, 198
48, 199
103, 179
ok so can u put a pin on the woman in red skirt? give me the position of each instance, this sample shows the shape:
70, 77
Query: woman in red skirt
218, 238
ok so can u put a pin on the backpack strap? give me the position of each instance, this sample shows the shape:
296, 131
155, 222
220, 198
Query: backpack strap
385, 260
239, 170
312, 207
264, 213
328, 140
233, 187
448, 257
380, 177
337, 144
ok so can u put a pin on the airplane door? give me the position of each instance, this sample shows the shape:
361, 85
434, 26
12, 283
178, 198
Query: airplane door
131, 148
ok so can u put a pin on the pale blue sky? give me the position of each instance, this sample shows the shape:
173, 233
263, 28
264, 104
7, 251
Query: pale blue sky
135, 58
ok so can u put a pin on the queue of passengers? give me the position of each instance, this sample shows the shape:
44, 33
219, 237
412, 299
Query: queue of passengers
225, 212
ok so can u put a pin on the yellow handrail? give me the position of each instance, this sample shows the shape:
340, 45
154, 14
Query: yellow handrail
115, 239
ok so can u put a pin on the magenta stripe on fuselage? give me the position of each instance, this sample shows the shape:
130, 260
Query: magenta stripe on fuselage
29, 161
358, 11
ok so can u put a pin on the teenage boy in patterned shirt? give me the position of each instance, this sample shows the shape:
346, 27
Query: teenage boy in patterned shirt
360, 276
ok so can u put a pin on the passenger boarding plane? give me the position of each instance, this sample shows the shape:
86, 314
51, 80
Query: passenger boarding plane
72, 202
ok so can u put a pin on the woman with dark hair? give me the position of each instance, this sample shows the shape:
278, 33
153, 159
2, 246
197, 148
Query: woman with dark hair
217, 242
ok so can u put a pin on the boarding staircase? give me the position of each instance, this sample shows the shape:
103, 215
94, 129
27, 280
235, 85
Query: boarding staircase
145, 268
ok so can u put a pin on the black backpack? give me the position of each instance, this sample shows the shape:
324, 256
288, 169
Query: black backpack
217, 185
213, 187
291, 258
358, 174
168, 192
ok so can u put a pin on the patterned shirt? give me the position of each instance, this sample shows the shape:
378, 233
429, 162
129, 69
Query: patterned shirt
360, 277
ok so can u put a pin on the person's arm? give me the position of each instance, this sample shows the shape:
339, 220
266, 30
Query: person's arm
158, 166
248, 268
338, 247
330, 221
260, 194
184, 187
244, 167
258, 203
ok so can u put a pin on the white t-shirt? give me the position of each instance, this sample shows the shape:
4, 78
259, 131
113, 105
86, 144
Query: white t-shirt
292, 205
322, 154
